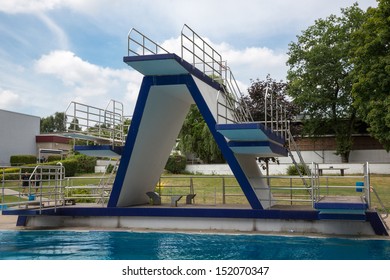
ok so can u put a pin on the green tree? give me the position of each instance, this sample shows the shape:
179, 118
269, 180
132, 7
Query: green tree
53, 123
274, 91
371, 58
74, 125
321, 79
195, 137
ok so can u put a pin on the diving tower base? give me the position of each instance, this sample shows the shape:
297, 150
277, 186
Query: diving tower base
304, 222
269, 226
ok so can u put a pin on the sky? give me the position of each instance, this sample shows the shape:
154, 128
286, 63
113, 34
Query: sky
53, 52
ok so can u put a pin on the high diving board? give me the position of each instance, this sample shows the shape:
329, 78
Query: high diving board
168, 64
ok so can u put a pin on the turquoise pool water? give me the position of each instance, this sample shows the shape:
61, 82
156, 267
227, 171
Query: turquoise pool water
105, 245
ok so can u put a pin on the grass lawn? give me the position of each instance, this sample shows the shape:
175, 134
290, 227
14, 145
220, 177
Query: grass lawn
213, 190
209, 189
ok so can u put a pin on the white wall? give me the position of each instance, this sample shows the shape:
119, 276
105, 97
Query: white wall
281, 169
356, 156
17, 135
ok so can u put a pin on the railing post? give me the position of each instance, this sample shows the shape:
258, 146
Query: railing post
291, 192
223, 191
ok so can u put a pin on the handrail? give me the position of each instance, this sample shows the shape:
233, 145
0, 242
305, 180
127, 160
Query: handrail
205, 58
386, 213
143, 45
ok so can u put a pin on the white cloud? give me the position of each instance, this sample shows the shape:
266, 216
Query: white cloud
89, 83
8, 99
254, 62
216, 19
245, 64
28, 6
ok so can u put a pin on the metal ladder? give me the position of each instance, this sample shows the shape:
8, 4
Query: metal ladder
105, 184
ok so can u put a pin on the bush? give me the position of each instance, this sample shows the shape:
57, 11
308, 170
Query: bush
17, 160
54, 158
109, 168
85, 164
176, 164
9, 173
292, 170
70, 166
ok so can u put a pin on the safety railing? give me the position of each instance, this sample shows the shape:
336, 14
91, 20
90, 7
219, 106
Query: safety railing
47, 186
103, 125
26, 186
139, 44
201, 55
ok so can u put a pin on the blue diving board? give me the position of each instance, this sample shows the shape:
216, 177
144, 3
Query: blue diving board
253, 138
99, 151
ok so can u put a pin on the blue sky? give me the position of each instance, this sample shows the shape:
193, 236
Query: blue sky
53, 52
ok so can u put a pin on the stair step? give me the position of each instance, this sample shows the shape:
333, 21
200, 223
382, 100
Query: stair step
342, 214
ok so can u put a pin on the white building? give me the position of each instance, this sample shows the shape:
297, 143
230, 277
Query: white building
17, 135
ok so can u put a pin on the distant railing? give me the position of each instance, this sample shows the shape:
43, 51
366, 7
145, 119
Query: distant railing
105, 125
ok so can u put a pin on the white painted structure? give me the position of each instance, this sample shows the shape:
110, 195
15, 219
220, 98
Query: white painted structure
339, 227
17, 135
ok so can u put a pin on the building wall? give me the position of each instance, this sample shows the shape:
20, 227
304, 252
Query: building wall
17, 135
323, 150
53, 142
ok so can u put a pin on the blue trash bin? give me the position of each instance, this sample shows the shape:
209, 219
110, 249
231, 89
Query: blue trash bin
359, 186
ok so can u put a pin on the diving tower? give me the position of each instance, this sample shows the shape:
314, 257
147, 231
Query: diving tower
169, 87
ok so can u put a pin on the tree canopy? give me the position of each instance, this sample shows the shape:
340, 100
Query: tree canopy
53, 123
371, 59
195, 137
320, 77
259, 89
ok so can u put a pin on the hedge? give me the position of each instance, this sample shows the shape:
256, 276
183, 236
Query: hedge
73, 165
10, 173
17, 160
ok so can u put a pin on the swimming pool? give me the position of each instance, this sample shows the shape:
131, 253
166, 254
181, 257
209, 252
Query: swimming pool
115, 245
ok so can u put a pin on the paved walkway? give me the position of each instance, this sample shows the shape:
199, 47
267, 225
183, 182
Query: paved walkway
8, 222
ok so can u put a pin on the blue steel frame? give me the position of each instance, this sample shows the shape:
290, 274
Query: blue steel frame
188, 80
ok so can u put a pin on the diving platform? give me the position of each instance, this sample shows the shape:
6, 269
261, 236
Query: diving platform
253, 139
104, 151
